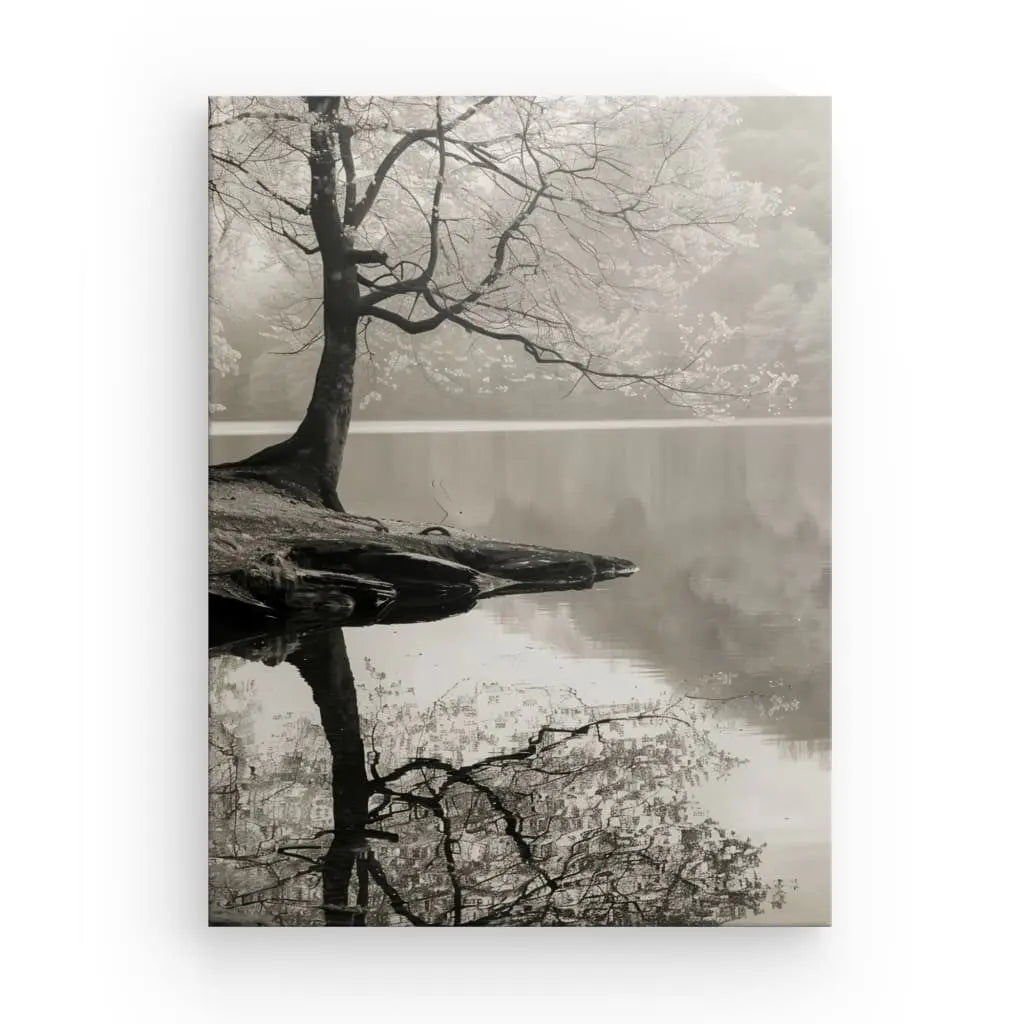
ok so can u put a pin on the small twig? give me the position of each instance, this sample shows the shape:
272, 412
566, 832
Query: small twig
433, 483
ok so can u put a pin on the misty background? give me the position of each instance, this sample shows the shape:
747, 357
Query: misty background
776, 294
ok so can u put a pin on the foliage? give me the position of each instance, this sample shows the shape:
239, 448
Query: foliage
508, 808
778, 294
564, 229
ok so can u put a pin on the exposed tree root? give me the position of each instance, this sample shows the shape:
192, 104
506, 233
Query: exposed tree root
280, 563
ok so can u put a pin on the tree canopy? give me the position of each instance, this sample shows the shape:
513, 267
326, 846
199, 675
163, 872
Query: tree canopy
552, 235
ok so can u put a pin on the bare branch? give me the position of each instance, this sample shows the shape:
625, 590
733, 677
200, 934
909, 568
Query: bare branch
394, 154
258, 115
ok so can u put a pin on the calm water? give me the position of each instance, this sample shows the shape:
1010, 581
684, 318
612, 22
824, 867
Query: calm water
727, 624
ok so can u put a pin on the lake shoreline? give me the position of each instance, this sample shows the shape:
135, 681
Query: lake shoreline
244, 428
278, 563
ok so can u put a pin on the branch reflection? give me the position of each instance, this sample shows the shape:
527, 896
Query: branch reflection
486, 808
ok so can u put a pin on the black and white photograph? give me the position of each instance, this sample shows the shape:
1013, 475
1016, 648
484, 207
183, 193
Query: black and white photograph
595, 432
519, 511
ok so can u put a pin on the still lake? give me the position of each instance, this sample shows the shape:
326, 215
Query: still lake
730, 526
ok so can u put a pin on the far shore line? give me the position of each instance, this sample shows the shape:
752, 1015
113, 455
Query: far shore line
246, 428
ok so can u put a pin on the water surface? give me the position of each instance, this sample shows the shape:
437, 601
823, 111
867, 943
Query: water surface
728, 618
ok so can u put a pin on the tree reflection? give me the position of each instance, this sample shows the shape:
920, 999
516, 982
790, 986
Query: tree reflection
731, 529
734, 580
487, 808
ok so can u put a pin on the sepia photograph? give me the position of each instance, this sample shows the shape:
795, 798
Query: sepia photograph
595, 432
520, 520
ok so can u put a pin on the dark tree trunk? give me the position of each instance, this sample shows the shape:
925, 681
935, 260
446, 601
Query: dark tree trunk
309, 462
322, 660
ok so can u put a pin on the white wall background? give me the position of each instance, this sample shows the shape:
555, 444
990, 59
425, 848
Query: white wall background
105, 358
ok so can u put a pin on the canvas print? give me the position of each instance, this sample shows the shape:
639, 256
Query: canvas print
519, 511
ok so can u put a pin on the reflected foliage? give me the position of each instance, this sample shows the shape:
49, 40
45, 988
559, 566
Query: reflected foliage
731, 529
487, 808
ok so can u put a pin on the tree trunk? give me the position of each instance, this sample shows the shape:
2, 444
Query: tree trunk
323, 663
309, 462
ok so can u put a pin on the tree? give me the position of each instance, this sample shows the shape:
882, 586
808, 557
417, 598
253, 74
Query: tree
778, 294
558, 228
567, 815
223, 358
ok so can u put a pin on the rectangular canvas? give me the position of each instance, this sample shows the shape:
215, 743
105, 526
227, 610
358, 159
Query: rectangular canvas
519, 511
